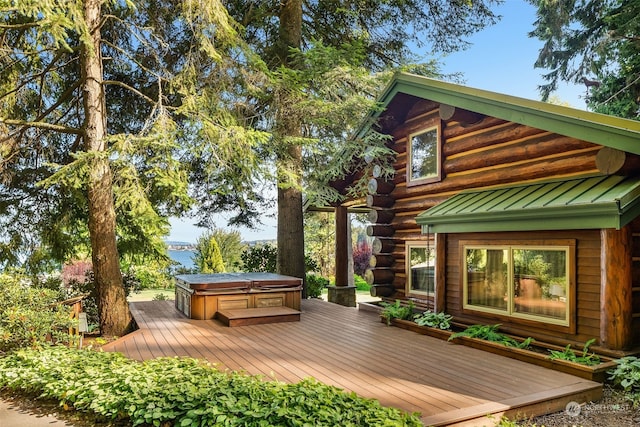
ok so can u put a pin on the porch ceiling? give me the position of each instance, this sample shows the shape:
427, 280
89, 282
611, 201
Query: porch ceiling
587, 203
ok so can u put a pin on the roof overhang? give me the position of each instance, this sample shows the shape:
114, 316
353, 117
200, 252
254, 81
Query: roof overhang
587, 203
610, 131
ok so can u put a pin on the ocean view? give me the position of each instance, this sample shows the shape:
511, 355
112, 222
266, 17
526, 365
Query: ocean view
184, 257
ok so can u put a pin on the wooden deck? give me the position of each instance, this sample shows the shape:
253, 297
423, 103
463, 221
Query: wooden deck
448, 384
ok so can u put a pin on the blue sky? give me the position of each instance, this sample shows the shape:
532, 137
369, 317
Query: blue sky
500, 60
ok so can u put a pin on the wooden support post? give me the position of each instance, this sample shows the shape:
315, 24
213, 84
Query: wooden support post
342, 250
344, 292
616, 304
440, 273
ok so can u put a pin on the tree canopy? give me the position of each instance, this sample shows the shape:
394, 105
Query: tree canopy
103, 107
592, 42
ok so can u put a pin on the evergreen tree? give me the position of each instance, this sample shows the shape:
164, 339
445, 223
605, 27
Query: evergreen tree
208, 257
231, 248
102, 106
594, 43
319, 56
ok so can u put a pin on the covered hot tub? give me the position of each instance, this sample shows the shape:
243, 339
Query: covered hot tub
202, 296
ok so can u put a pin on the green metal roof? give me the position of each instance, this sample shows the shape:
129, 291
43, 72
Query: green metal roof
587, 203
610, 131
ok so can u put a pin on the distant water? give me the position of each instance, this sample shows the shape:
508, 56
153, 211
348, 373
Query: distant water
183, 257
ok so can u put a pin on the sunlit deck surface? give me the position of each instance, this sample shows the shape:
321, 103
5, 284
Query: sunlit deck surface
449, 384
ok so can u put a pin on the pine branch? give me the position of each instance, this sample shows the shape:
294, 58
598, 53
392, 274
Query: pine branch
43, 125
129, 88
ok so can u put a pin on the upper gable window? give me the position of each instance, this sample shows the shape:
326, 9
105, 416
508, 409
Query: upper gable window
424, 156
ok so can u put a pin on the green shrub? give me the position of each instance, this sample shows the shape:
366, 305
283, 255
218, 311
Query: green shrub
185, 392
160, 297
30, 316
627, 376
433, 320
315, 285
152, 276
360, 283
88, 289
260, 258
264, 258
397, 311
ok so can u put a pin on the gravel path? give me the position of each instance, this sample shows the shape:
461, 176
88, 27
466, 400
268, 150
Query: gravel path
613, 410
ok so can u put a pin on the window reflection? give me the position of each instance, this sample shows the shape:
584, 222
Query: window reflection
421, 269
519, 281
424, 155
487, 278
540, 282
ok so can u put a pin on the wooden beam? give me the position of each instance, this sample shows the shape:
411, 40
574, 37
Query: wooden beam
381, 260
379, 276
616, 303
380, 230
379, 186
610, 161
380, 201
382, 245
464, 117
380, 216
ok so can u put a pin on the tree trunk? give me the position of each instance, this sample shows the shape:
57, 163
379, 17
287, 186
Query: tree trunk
288, 127
115, 317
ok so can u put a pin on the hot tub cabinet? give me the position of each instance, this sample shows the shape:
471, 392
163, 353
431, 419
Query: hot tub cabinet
203, 296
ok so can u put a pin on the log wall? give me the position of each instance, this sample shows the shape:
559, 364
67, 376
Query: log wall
487, 154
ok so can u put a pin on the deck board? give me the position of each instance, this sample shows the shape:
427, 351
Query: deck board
353, 350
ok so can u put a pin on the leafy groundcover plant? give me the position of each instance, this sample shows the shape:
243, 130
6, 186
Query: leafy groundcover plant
397, 311
490, 333
627, 376
433, 320
585, 358
184, 392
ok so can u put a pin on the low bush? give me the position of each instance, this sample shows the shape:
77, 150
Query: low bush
87, 288
627, 376
360, 283
184, 392
433, 320
397, 311
315, 285
30, 316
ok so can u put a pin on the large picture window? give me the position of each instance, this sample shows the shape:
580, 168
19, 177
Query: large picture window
529, 282
420, 268
424, 156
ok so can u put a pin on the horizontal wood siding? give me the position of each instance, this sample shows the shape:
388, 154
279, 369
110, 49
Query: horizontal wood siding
635, 281
587, 317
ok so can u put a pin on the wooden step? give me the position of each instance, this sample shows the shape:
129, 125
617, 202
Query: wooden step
258, 316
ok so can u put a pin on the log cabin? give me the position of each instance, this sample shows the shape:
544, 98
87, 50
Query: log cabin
508, 211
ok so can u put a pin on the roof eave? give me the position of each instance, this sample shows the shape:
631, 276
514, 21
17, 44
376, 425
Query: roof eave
609, 131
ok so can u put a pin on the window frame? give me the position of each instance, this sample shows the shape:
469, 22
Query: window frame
435, 125
510, 314
432, 248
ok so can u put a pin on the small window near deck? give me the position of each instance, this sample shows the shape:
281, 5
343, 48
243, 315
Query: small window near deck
424, 156
420, 268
